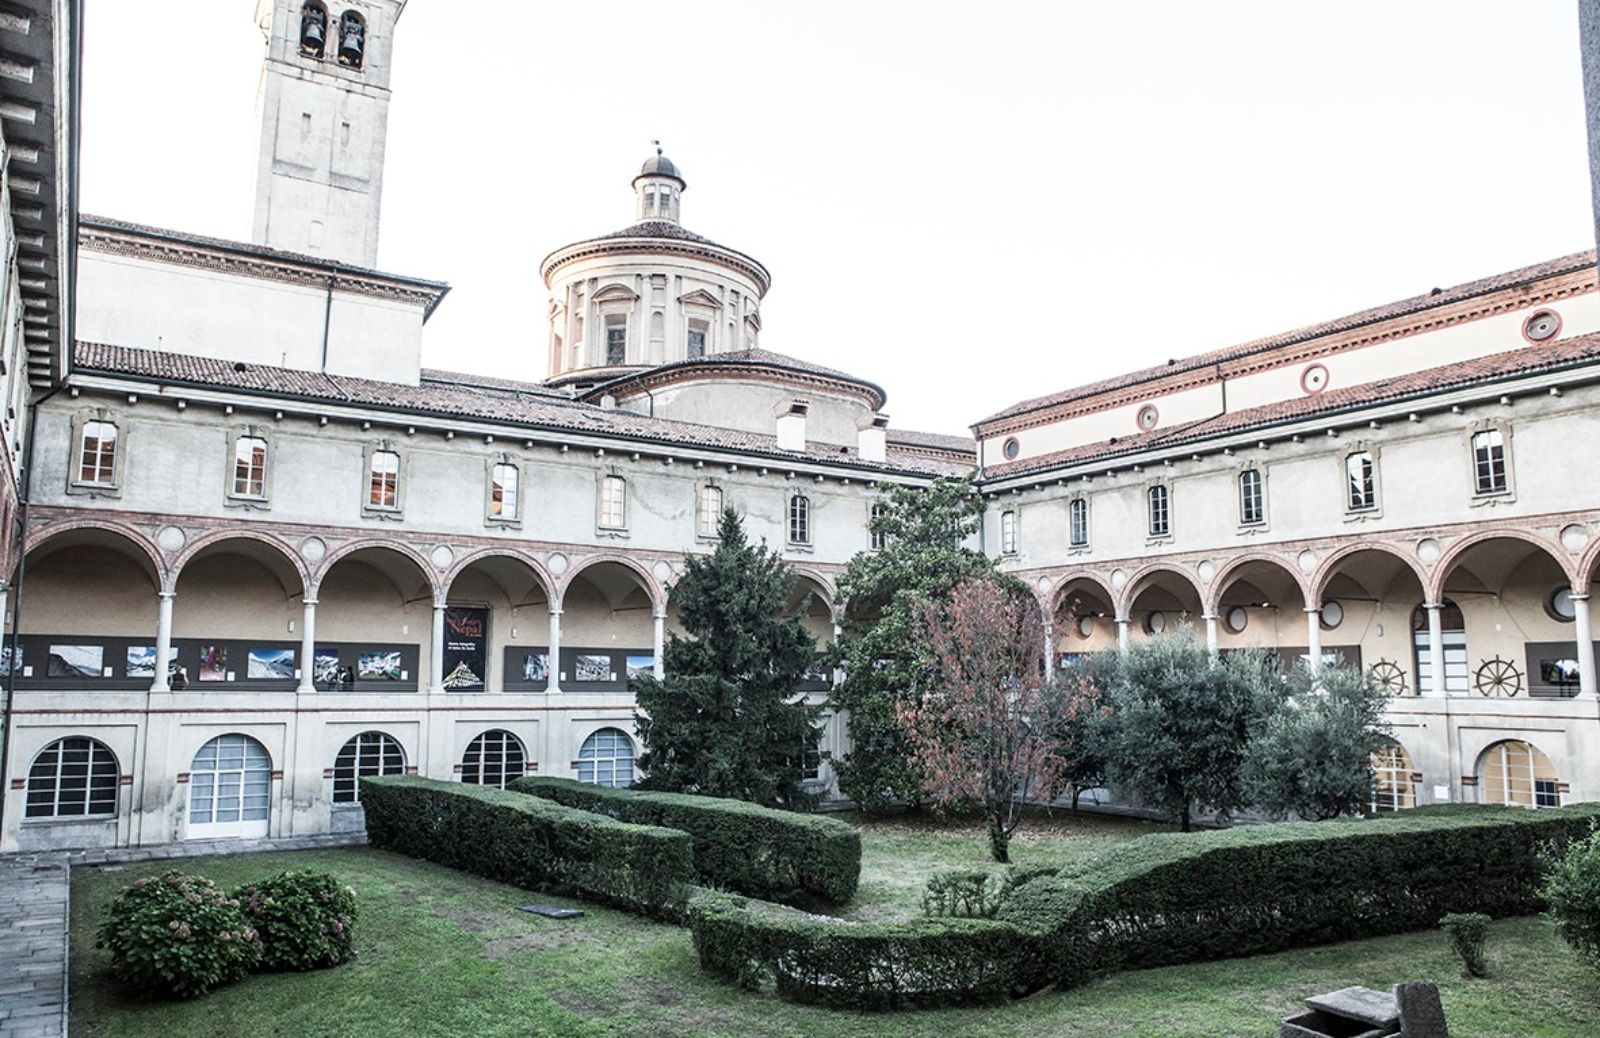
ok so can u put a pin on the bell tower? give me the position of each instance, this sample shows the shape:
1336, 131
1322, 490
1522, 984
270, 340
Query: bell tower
324, 103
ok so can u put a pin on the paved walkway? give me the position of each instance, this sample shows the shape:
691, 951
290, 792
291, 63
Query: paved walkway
34, 890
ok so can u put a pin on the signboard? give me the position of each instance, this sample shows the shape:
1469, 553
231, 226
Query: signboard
466, 648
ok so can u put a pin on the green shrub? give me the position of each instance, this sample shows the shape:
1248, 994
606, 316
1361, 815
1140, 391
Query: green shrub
306, 920
178, 935
1572, 892
530, 842
1468, 933
958, 892
754, 850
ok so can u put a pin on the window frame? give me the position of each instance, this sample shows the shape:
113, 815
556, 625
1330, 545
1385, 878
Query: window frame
615, 323
703, 493
1150, 491
1078, 522
369, 459
595, 760
1375, 506
492, 467
506, 739
1008, 532
97, 755
603, 484
1251, 492
80, 425
1507, 490
232, 494
876, 540
798, 530
387, 746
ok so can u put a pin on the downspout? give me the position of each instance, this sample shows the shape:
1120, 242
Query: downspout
327, 320
26, 486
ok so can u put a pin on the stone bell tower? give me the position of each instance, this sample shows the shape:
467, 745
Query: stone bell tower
324, 103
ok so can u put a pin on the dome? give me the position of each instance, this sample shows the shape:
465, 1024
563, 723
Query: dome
658, 165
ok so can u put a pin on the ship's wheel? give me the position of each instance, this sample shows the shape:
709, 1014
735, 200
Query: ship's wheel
1387, 675
1498, 677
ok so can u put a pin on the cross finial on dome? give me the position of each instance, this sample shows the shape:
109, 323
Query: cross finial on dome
658, 146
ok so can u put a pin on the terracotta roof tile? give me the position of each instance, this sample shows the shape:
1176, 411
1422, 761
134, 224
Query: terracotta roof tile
754, 358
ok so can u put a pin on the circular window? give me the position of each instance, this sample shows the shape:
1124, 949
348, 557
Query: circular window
1011, 448
1155, 623
1559, 604
1085, 626
1148, 417
1238, 619
1314, 379
1541, 326
1332, 615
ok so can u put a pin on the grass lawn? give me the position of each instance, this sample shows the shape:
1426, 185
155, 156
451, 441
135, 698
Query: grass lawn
443, 954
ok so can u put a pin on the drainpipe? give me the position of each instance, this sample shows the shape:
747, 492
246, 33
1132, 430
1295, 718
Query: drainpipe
327, 320
25, 485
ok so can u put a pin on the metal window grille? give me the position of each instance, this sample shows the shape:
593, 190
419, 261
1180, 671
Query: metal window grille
370, 753
495, 758
72, 778
606, 759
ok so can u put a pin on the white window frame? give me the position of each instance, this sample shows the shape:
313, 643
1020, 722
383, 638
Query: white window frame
99, 762
876, 541
495, 766
1078, 523
601, 770
81, 425
1500, 431
708, 505
246, 498
1251, 485
611, 504
1008, 532
370, 753
1373, 505
798, 524
493, 482
1151, 510
370, 459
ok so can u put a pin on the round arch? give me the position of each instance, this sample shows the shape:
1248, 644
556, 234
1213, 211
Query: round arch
45, 540
1453, 556
541, 576
1331, 566
425, 568
1587, 563
1147, 578
1065, 585
280, 552
647, 582
829, 591
1236, 569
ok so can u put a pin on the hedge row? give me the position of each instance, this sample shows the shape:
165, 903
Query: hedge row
1161, 899
530, 842
759, 851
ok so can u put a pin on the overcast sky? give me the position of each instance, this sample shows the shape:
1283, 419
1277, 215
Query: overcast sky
970, 203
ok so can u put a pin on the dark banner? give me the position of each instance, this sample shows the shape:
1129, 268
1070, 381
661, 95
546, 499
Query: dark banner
466, 648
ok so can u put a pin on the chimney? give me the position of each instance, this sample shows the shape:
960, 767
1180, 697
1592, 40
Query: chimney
873, 442
792, 427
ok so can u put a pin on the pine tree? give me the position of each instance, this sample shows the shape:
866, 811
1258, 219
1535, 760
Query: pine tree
726, 720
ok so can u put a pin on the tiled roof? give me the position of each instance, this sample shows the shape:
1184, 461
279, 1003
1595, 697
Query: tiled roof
661, 229
480, 399
754, 358
1404, 307
930, 441
1575, 352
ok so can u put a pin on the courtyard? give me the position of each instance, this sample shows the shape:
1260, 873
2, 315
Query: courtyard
446, 953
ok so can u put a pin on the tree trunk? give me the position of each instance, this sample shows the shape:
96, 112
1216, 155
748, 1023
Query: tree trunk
1077, 791
1183, 818
999, 839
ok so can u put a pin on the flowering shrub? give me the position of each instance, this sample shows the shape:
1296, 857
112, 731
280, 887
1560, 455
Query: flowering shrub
178, 935
306, 920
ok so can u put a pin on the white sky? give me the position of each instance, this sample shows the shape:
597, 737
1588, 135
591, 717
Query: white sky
970, 203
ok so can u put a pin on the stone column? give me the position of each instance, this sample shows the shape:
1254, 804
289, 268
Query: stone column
1314, 638
554, 684
436, 651
1211, 633
308, 645
1049, 650
163, 640
1436, 647
660, 644
1587, 685
1122, 636
838, 672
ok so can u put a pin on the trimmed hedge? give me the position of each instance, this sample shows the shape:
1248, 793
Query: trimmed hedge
530, 842
1161, 899
754, 850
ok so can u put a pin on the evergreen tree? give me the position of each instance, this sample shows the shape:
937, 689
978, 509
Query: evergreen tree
925, 555
726, 721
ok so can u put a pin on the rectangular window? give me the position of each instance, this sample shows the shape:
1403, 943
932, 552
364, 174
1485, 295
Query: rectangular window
250, 467
1489, 462
617, 343
799, 519
697, 343
384, 490
1160, 513
879, 538
1252, 506
709, 511
1078, 523
614, 502
1362, 488
1008, 533
503, 501
97, 455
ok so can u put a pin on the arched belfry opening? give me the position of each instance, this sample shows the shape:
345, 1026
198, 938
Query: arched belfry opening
313, 29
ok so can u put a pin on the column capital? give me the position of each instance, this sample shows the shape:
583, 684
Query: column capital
1210, 617
555, 610
167, 594
308, 601
1576, 598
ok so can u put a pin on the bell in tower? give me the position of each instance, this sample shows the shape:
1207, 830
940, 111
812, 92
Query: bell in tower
313, 29
352, 39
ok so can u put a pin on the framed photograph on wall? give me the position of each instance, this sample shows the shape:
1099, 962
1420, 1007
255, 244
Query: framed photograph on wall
536, 666
270, 665
75, 661
593, 668
213, 663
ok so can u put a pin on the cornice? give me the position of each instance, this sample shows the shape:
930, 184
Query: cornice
730, 258
743, 371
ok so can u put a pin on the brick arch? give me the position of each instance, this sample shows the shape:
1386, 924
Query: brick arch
1052, 605
1586, 567
423, 563
540, 574
1124, 604
658, 598
278, 544
1230, 570
830, 591
1329, 566
1453, 554
148, 550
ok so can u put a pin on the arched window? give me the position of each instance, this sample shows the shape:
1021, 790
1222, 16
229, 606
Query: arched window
709, 511
313, 29
352, 40
494, 758
1160, 511
1252, 502
370, 753
73, 778
1078, 522
1489, 462
230, 788
606, 759
1455, 649
1515, 774
97, 454
250, 467
1361, 484
1393, 788
799, 519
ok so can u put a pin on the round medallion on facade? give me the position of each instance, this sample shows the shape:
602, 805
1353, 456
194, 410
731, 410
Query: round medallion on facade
1314, 379
1560, 606
171, 538
1086, 627
442, 557
1238, 619
662, 571
1332, 615
1207, 570
312, 549
1148, 417
1542, 326
557, 564
1155, 623
1428, 550
1308, 561
1574, 537
1011, 448
1119, 579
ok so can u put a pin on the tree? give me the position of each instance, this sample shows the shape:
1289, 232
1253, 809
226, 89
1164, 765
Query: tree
986, 730
1083, 731
1181, 722
925, 555
1313, 756
725, 721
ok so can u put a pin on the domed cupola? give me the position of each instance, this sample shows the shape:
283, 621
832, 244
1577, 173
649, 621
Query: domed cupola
650, 294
